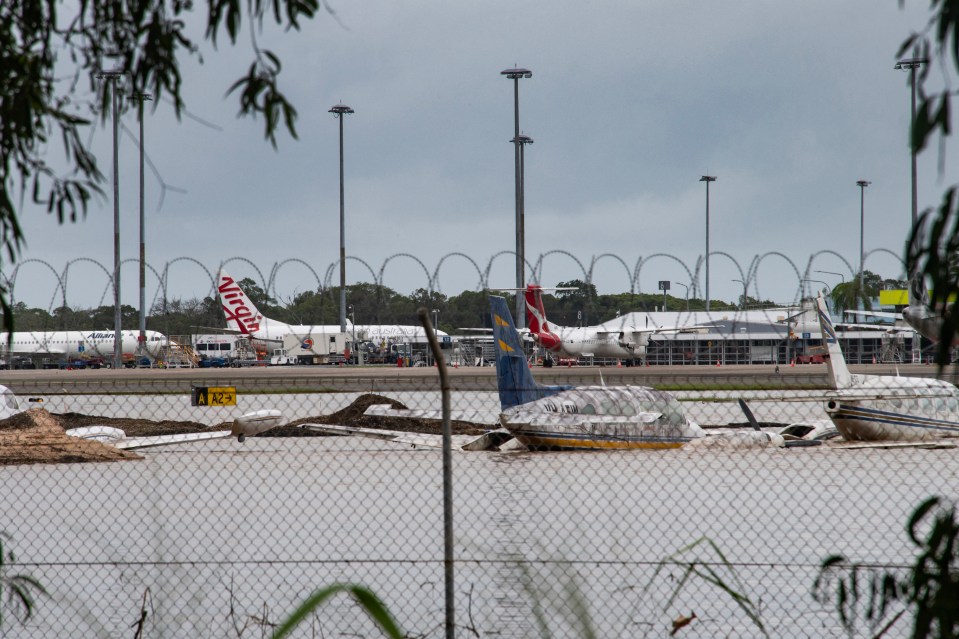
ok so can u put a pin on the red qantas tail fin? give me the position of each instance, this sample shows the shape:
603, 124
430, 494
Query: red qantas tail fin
536, 320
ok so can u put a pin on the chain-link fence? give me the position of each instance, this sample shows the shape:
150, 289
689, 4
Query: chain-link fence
218, 538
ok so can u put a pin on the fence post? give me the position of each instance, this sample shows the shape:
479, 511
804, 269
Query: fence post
424, 316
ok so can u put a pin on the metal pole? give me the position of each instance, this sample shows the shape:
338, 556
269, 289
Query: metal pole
911, 65
142, 340
520, 271
448, 555
912, 148
686, 288
339, 111
342, 241
707, 179
515, 74
862, 218
117, 315
523, 141
744, 293
112, 76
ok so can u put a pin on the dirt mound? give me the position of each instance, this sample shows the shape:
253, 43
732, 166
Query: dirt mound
353, 415
37, 437
134, 427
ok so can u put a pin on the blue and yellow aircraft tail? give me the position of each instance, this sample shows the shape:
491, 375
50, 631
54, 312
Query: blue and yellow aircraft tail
516, 383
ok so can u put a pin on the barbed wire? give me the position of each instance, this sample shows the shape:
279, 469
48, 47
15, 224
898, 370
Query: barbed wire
163, 275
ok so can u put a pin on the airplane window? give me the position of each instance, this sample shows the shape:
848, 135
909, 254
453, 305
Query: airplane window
588, 409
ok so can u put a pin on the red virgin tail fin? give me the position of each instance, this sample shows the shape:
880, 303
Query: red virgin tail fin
241, 314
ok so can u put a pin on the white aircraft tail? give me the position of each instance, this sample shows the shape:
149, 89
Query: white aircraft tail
839, 375
240, 311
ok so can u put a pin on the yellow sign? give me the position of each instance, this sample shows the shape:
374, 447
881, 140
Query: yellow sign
893, 297
213, 396
900, 297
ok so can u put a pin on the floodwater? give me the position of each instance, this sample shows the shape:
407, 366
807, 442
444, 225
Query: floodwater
708, 408
221, 539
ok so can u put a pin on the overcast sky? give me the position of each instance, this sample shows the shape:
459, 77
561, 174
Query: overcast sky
788, 104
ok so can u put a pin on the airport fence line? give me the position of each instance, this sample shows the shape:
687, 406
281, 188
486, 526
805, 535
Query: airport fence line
87, 276
217, 538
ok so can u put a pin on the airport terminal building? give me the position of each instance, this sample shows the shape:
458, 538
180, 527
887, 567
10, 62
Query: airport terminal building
779, 336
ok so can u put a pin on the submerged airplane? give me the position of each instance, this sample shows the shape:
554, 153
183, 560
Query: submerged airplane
80, 344
613, 339
879, 408
243, 317
247, 425
592, 417
918, 315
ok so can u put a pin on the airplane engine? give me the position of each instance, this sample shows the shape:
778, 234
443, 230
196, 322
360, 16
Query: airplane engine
254, 423
627, 344
549, 341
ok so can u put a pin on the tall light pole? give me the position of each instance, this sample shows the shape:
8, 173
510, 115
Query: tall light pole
142, 339
842, 279
707, 179
820, 281
339, 111
687, 294
744, 292
112, 77
521, 142
862, 218
515, 74
911, 64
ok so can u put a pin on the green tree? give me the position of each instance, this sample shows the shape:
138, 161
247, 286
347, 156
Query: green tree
469, 309
145, 40
34, 319
579, 302
851, 294
185, 317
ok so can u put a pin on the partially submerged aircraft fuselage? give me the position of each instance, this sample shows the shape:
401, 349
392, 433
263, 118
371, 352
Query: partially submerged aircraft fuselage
592, 417
901, 408
601, 417
881, 408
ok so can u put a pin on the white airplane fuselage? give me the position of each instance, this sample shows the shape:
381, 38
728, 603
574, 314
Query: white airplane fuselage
596, 341
884, 408
901, 409
243, 317
80, 344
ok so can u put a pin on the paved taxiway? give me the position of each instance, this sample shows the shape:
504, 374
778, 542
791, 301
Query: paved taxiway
360, 378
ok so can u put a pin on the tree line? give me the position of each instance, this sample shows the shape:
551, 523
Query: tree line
376, 304
367, 304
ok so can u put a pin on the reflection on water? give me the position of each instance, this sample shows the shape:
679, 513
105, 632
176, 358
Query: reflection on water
214, 527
